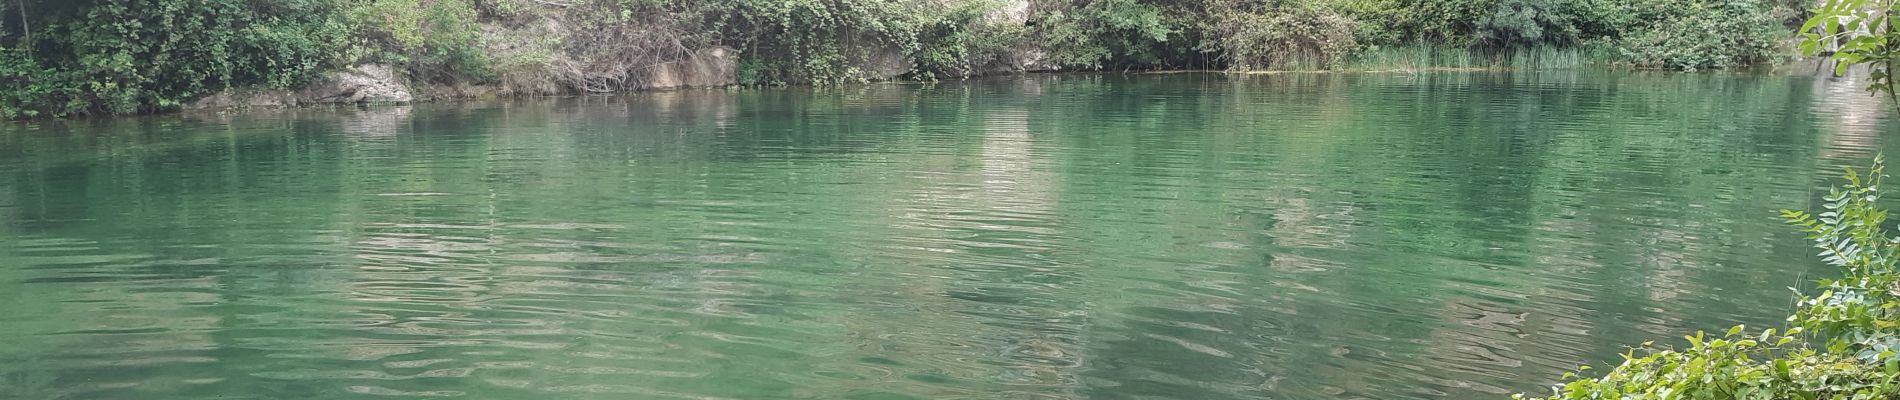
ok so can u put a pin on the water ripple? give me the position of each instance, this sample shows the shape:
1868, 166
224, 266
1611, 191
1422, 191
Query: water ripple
1192, 236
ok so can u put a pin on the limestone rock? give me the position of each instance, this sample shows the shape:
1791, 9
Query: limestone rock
1023, 58
711, 67
240, 98
367, 83
884, 62
1013, 12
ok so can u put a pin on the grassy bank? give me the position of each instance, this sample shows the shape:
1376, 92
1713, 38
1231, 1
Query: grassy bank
1416, 57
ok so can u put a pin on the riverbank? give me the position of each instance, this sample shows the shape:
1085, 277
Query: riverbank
379, 84
373, 94
61, 58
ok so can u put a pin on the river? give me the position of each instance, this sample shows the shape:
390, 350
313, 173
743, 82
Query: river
1453, 235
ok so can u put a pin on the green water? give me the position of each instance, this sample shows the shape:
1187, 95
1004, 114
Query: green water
1047, 237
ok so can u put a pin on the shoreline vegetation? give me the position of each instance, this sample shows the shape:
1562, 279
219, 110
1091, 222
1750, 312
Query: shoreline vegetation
63, 58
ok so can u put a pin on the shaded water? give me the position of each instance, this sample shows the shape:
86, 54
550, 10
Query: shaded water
1054, 237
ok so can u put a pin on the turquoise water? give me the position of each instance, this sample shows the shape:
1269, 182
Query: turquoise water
1187, 236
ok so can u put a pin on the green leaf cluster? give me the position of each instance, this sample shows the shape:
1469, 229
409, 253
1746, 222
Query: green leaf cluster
1286, 35
1119, 33
1697, 35
434, 40
124, 56
829, 41
1855, 32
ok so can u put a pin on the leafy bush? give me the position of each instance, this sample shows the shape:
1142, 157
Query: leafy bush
1853, 319
1657, 34
1112, 33
435, 40
29, 90
1858, 314
1529, 23
1739, 366
831, 41
123, 56
963, 40
815, 40
1258, 34
1440, 22
1856, 32
1705, 34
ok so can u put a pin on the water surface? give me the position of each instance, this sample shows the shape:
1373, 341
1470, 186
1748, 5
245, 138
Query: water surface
1388, 236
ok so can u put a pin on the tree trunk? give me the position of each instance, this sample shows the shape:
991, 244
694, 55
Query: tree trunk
26, 29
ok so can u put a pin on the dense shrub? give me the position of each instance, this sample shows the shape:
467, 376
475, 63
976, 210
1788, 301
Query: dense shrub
604, 45
1737, 366
1529, 23
830, 41
28, 89
1705, 34
1110, 33
816, 40
1268, 34
118, 56
1659, 34
435, 40
963, 41
122, 56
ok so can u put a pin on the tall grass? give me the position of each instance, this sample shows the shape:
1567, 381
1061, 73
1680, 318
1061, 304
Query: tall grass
1415, 57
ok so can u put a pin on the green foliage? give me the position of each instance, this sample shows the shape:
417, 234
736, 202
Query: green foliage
1483, 23
1528, 23
1855, 32
1853, 319
1111, 33
1287, 35
1737, 365
1441, 22
120, 56
123, 56
960, 41
1856, 313
28, 89
1678, 35
831, 41
814, 40
435, 40
1658, 34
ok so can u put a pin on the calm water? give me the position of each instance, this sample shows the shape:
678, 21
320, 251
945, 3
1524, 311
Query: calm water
1051, 237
